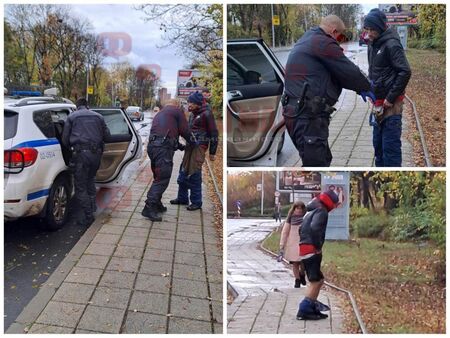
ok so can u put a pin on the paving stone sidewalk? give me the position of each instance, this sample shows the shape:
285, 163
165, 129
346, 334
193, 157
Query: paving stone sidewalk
130, 275
350, 135
266, 301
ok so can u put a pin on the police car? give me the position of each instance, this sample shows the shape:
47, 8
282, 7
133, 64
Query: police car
255, 83
37, 181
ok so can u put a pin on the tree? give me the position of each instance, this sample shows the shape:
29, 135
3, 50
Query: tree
196, 31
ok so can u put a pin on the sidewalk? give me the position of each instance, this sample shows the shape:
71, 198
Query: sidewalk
266, 301
350, 136
130, 275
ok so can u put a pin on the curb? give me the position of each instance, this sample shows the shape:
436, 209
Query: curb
38, 303
34, 308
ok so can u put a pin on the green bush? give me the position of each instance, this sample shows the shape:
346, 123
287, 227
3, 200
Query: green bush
372, 225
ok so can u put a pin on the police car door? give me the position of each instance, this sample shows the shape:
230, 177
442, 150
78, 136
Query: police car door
255, 82
124, 147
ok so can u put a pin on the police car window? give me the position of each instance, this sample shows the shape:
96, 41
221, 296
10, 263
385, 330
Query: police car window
234, 75
10, 119
252, 58
59, 115
115, 121
43, 120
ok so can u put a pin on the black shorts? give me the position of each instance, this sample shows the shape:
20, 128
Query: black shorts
312, 268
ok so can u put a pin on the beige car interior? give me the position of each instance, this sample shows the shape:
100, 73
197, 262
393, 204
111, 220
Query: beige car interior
246, 136
113, 155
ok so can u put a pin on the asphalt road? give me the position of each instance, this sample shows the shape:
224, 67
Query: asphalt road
31, 253
350, 50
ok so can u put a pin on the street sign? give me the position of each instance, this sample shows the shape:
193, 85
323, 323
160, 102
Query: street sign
259, 187
277, 193
90, 90
276, 20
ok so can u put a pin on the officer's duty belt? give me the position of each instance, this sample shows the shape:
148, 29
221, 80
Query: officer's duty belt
316, 103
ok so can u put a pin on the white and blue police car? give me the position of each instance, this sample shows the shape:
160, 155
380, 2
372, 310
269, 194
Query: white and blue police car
37, 180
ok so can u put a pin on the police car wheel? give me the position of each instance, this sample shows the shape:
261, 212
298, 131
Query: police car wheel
58, 204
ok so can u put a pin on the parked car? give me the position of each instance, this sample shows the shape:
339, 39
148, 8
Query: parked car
255, 83
363, 39
135, 113
37, 180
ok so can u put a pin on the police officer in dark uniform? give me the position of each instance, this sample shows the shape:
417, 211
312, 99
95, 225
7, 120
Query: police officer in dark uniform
85, 132
167, 126
316, 72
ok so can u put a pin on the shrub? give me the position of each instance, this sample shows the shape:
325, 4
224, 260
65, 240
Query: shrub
372, 225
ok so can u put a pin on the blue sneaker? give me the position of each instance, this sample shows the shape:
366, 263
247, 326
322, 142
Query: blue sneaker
307, 310
321, 306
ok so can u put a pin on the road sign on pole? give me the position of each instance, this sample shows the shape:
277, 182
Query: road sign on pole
276, 20
90, 90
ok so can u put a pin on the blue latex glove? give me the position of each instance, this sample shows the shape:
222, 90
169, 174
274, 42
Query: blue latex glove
369, 94
280, 256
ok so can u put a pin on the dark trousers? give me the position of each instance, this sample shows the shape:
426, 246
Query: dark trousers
310, 137
387, 142
86, 164
161, 159
192, 183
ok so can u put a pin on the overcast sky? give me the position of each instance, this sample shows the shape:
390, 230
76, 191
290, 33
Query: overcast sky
145, 36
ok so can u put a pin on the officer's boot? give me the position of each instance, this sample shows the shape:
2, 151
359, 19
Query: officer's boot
307, 310
161, 208
151, 213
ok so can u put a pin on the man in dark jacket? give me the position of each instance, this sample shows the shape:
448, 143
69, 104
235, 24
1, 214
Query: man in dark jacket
316, 72
312, 237
167, 126
205, 133
390, 72
84, 133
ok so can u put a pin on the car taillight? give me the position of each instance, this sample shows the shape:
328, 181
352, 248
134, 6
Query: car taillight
17, 159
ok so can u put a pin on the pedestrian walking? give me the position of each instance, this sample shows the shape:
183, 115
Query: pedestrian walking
277, 212
85, 133
316, 72
289, 241
390, 73
168, 124
204, 131
312, 237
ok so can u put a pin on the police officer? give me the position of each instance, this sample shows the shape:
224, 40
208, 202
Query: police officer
167, 126
85, 132
390, 72
205, 133
316, 72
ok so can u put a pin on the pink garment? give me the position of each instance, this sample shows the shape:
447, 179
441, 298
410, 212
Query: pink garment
289, 242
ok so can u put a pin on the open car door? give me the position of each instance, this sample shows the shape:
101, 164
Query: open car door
255, 83
124, 147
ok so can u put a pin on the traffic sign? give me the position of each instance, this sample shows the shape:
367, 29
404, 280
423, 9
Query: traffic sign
90, 90
277, 193
276, 20
259, 187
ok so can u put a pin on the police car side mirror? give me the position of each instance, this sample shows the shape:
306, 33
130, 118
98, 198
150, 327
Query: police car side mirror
252, 77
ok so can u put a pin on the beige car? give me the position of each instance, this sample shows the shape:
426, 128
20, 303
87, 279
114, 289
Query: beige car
255, 83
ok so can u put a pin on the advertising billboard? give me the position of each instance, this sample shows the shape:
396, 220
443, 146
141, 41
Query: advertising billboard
188, 82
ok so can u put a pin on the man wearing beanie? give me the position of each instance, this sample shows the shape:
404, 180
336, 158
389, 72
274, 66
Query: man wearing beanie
205, 133
312, 237
390, 72
316, 72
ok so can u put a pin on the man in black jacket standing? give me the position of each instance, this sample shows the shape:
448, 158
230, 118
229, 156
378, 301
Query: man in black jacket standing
390, 72
204, 131
312, 237
316, 72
